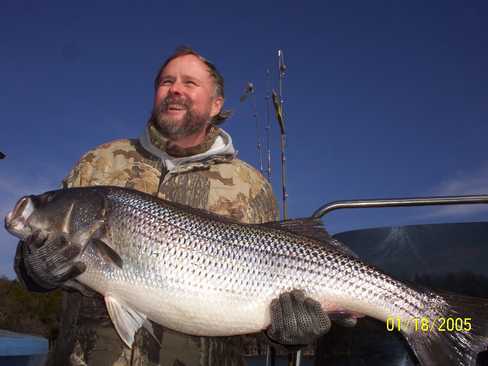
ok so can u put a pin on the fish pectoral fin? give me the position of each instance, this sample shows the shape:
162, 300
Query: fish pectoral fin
127, 321
107, 253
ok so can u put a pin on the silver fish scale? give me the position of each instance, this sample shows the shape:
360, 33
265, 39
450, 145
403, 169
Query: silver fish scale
163, 246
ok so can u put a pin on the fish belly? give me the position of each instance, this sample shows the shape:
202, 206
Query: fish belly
191, 312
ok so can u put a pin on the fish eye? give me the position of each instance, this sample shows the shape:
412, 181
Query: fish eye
46, 197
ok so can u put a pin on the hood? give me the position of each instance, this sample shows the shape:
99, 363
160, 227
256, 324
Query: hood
222, 147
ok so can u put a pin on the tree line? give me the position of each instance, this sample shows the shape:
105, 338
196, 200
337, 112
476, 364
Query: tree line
27, 312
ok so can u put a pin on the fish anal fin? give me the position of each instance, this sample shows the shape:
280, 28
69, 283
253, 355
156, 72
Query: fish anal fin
127, 321
337, 315
345, 319
107, 253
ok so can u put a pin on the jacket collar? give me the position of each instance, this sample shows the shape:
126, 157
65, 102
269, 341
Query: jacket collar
218, 145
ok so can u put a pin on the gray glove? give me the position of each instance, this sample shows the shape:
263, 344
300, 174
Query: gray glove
296, 320
43, 265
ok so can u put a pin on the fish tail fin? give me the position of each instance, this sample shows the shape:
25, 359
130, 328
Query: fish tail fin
453, 334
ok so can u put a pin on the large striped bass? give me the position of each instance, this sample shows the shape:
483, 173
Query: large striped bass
202, 274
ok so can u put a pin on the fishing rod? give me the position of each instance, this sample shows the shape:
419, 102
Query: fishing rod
295, 358
268, 122
278, 105
250, 91
281, 73
258, 136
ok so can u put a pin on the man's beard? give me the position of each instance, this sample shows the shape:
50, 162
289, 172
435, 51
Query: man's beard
188, 125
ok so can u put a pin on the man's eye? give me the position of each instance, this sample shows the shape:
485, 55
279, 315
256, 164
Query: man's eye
190, 82
166, 82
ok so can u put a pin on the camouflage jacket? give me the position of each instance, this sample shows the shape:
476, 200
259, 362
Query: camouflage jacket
216, 181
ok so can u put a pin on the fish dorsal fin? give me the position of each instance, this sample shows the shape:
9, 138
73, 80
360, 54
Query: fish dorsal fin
339, 245
202, 213
310, 227
127, 321
107, 253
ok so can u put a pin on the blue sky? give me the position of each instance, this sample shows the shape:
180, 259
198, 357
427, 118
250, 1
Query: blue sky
382, 99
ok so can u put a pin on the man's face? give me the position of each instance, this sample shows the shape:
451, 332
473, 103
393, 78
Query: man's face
185, 100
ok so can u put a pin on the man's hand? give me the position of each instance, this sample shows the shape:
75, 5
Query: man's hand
43, 265
296, 320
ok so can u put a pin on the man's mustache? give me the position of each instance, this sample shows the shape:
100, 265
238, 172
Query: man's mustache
169, 100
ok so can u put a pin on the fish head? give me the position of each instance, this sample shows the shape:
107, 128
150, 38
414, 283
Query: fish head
55, 213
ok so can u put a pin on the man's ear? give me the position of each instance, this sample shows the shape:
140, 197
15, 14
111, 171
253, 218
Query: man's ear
217, 105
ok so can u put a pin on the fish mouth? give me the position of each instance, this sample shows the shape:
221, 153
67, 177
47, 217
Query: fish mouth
16, 220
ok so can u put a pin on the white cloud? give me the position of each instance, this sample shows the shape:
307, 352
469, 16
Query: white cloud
462, 183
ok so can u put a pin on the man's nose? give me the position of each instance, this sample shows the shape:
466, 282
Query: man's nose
176, 88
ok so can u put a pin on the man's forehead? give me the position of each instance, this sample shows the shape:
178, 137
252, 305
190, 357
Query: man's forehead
189, 65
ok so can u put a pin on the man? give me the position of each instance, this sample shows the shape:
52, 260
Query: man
182, 156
